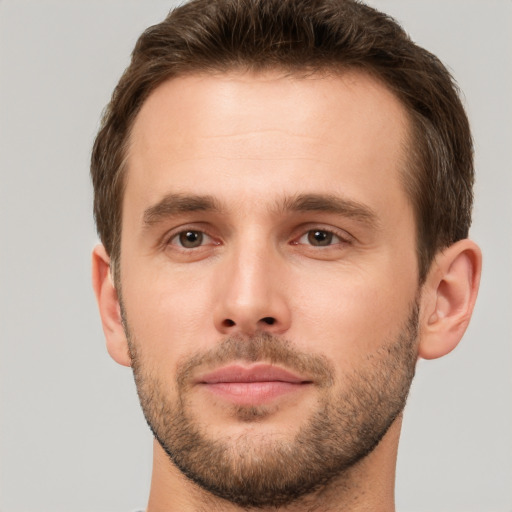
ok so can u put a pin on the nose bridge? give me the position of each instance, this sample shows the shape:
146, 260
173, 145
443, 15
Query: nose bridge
251, 269
250, 296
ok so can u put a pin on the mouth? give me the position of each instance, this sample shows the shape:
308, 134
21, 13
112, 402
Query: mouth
252, 385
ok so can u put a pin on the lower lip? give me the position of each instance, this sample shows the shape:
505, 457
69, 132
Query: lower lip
253, 393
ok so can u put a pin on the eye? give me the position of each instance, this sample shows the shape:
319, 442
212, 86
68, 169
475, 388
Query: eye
319, 238
190, 239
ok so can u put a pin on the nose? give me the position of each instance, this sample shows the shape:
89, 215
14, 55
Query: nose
252, 293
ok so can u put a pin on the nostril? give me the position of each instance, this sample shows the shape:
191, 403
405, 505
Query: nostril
268, 320
228, 323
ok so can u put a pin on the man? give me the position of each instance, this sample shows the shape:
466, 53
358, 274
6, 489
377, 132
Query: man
283, 192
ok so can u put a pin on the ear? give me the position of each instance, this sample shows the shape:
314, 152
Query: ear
110, 310
448, 297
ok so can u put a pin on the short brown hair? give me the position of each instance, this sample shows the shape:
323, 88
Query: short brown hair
301, 36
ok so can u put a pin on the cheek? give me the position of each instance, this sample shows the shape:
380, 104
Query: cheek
168, 313
352, 314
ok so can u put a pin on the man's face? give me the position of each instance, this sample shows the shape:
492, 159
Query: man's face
269, 276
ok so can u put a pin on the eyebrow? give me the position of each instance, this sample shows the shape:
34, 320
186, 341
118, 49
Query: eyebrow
329, 203
176, 204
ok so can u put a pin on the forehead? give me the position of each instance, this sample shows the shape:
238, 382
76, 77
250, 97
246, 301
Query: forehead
299, 133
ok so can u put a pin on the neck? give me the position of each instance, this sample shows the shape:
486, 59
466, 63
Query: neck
366, 487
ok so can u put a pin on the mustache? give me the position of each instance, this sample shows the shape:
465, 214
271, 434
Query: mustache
260, 347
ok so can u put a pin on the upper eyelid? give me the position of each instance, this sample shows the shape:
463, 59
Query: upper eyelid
340, 233
188, 226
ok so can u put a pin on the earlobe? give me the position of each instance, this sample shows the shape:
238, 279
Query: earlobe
448, 298
108, 304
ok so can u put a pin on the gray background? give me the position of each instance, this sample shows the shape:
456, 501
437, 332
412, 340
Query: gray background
72, 438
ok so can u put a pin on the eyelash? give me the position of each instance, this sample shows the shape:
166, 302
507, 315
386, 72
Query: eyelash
331, 234
178, 234
343, 238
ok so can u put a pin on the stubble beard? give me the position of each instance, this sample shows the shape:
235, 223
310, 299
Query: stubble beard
256, 471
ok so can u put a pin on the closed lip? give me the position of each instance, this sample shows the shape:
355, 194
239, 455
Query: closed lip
238, 373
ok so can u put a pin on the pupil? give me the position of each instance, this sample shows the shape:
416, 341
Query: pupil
191, 238
320, 237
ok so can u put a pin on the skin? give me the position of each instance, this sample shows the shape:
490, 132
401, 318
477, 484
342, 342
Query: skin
255, 142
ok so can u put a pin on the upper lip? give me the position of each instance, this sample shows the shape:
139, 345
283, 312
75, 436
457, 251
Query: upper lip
254, 373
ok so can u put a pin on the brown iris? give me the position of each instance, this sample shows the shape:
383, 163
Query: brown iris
320, 238
191, 239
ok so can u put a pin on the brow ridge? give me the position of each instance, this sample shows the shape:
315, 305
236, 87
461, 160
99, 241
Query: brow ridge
330, 203
180, 203
176, 203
